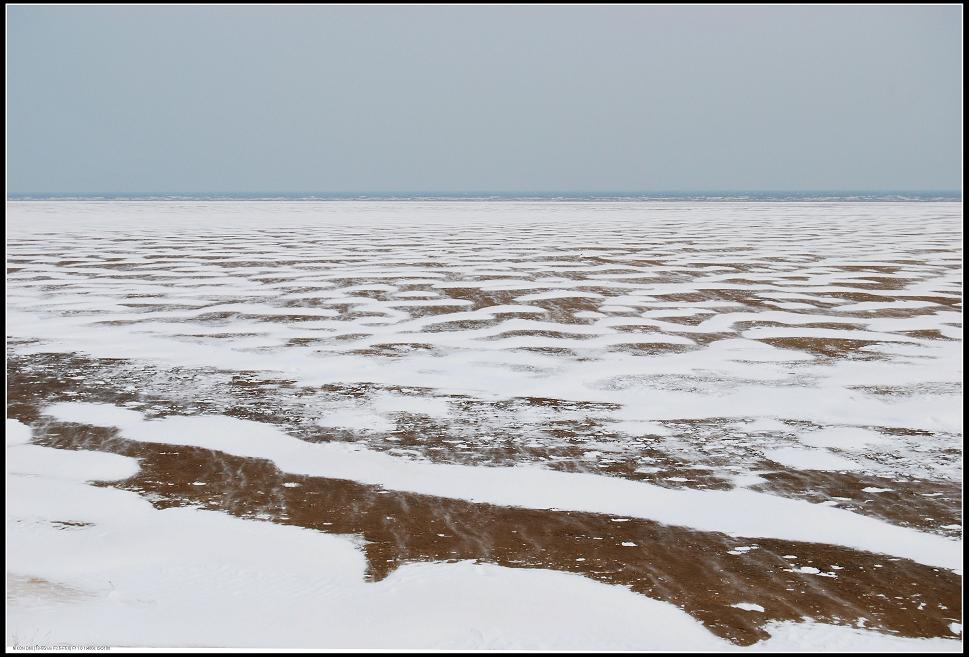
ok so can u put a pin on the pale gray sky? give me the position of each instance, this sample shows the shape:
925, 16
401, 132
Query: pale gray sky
485, 98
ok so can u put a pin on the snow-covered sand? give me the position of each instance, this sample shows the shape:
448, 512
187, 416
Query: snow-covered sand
738, 512
97, 566
738, 341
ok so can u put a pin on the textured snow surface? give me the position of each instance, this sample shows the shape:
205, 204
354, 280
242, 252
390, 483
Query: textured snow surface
90, 565
739, 512
821, 342
509, 301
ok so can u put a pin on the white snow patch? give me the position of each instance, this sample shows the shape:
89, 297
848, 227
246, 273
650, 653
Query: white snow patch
432, 406
813, 637
102, 415
355, 419
639, 428
810, 459
17, 433
559, 294
746, 480
849, 438
79, 465
766, 424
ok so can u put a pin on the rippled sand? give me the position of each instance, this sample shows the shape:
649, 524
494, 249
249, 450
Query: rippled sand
747, 412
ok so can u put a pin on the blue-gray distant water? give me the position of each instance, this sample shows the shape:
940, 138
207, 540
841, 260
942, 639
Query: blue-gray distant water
838, 196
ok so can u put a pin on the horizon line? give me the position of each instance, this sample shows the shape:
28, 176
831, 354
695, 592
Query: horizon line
498, 194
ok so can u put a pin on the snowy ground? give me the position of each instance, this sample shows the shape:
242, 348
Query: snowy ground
694, 426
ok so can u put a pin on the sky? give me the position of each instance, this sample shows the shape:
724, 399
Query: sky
166, 99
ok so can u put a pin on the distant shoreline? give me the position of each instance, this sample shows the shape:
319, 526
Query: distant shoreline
840, 197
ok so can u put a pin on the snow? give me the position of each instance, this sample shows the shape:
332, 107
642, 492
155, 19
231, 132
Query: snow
434, 407
559, 294
144, 577
359, 419
817, 637
810, 459
640, 428
793, 305
849, 438
766, 424
60, 464
838, 334
138, 576
738, 512
297, 308
867, 306
16, 433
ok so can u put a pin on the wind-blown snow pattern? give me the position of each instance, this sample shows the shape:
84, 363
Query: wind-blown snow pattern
155, 574
784, 371
738, 512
